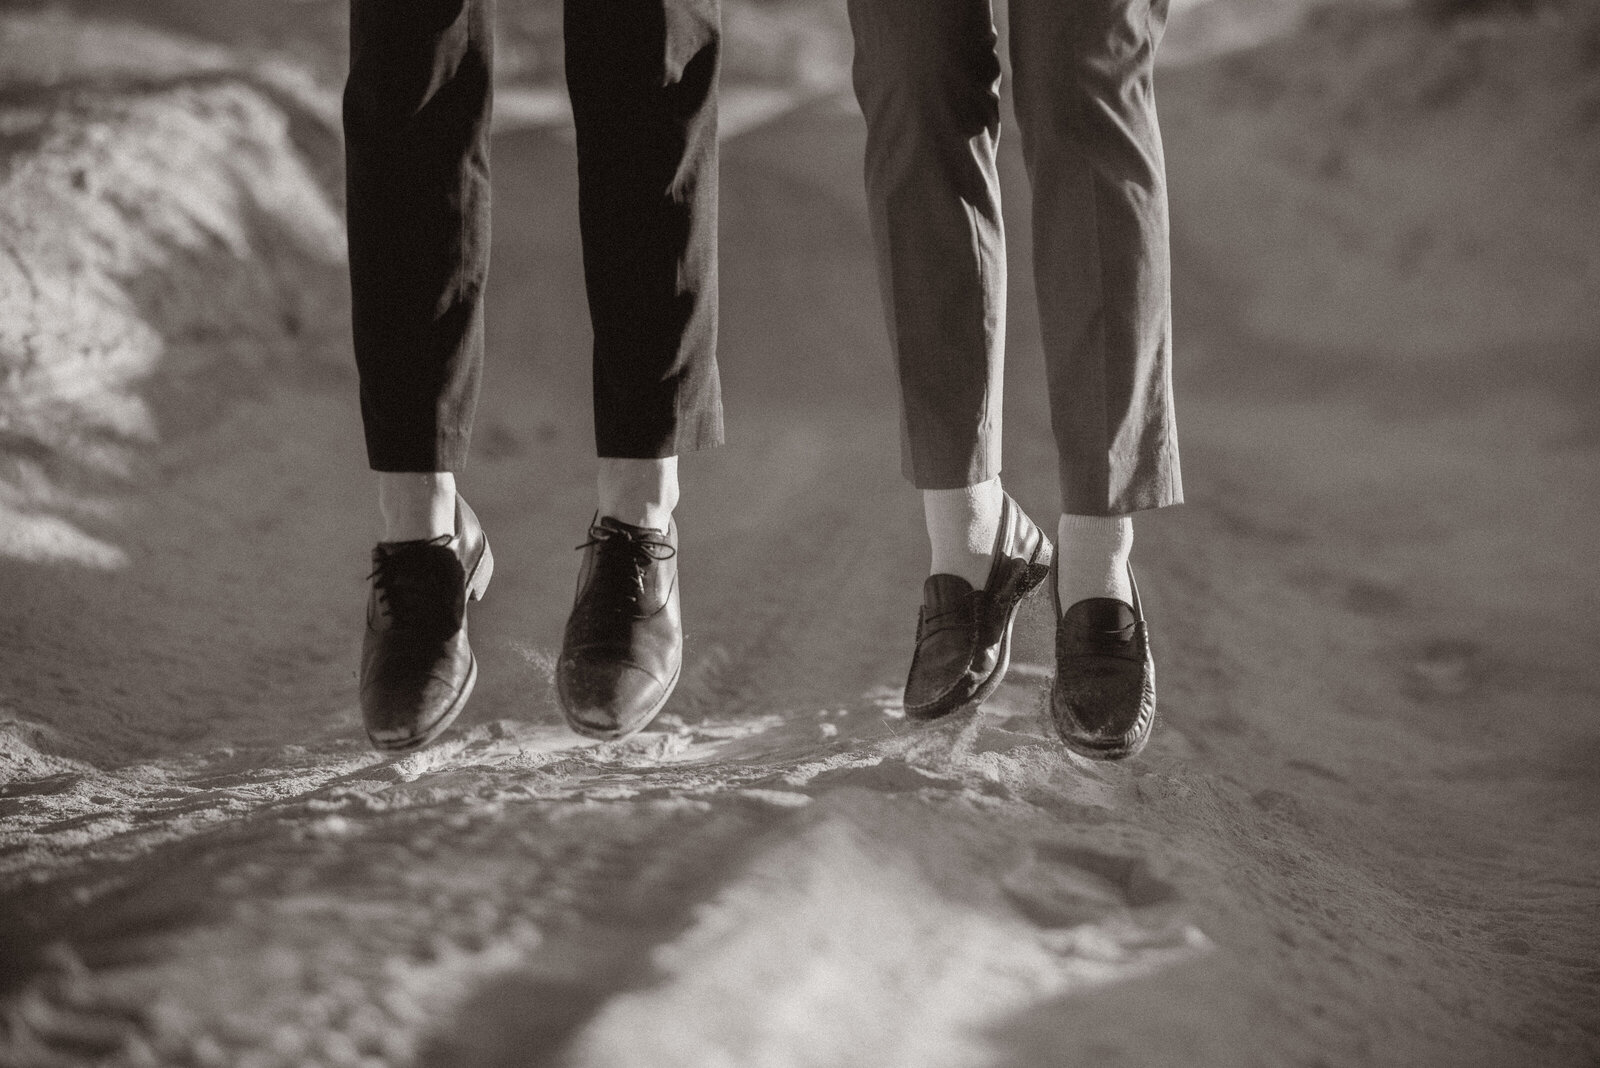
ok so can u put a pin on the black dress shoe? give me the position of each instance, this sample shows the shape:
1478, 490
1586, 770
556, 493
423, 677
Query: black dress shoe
417, 669
1103, 699
623, 646
963, 634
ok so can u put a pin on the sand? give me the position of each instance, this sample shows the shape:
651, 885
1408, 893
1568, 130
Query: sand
1364, 834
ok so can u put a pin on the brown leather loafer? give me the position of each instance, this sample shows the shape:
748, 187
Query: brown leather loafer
623, 647
963, 634
1103, 699
417, 669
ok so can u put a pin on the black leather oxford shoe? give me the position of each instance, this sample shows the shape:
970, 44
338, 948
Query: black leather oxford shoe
963, 634
1103, 699
417, 669
623, 646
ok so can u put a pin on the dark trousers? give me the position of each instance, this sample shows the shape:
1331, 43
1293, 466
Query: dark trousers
928, 78
642, 77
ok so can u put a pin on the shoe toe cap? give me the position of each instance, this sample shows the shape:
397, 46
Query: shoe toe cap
608, 698
945, 667
398, 715
1104, 705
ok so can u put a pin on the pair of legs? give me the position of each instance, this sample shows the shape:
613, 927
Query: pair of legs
642, 77
927, 76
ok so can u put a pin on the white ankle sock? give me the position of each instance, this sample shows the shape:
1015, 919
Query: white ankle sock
1093, 552
641, 493
417, 506
962, 524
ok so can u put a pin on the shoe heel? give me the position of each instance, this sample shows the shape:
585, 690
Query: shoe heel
479, 582
1039, 567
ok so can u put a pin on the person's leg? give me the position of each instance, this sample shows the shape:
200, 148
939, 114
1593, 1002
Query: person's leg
416, 120
416, 117
642, 75
927, 77
1086, 106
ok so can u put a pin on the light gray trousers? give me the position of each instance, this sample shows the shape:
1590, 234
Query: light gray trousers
927, 76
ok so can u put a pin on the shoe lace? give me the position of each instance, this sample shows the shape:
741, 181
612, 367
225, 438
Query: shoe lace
621, 560
410, 595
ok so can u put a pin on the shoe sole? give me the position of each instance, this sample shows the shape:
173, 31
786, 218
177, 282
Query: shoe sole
1088, 752
477, 585
602, 735
1038, 571
1109, 753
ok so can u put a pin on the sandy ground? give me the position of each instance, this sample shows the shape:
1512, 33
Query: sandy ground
1365, 832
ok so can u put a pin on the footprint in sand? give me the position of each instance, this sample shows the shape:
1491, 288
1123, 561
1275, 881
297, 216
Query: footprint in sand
1093, 903
61, 1017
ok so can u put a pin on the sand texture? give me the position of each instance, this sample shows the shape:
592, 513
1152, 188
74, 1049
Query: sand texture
1367, 831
